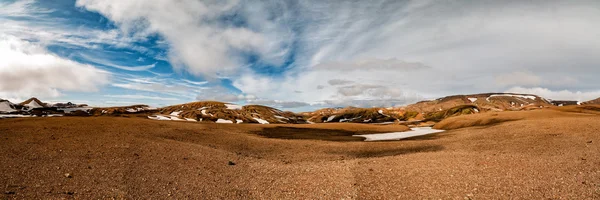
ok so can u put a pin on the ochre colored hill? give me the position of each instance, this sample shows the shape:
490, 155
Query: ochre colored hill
213, 111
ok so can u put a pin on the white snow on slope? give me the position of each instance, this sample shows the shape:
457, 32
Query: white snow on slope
33, 104
262, 121
239, 121
5, 107
176, 118
330, 118
512, 95
13, 116
381, 113
69, 110
175, 113
472, 99
349, 120
280, 117
233, 107
202, 108
419, 131
159, 117
223, 121
190, 119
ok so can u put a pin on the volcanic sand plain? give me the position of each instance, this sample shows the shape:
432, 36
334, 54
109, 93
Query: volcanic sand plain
522, 154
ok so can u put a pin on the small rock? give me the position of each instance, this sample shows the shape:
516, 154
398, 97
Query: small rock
589, 142
67, 175
70, 192
231, 163
9, 192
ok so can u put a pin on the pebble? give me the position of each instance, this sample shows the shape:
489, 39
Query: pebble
67, 175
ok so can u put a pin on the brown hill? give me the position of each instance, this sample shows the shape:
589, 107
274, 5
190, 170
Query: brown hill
353, 115
213, 111
595, 101
134, 109
433, 110
33, 103
484, 102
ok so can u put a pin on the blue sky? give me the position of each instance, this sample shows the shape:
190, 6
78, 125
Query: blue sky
295, 55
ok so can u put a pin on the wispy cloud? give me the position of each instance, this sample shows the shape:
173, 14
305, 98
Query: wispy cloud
138, 97
110, 64
27, 69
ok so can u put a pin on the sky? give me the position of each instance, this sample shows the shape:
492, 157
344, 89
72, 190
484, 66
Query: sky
296, 55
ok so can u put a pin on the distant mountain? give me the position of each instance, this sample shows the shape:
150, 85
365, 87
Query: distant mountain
32, 103
219, 112
352, 114
484, 102
432, 110
133, 109
595, 101
7, 107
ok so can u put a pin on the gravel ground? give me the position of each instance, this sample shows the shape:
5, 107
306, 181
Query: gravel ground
556, 157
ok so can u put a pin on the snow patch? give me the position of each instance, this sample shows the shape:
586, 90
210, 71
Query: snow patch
419, 131
472, 100
238, 121
223, 121
6, 107
330, 118
69, 110
352, 119
202, 108
14, 116
159, 117
176, 118
190, 120
33, 104
175, 113
512, 95
233, 107
262, 121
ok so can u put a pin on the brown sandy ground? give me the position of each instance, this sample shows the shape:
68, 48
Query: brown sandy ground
557, 156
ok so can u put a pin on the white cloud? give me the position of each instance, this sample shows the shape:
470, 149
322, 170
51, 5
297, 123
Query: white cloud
371, 64
27, 69
219, 93
199, 42
518, 78
339, 82
558, 94
408, 49
279, 104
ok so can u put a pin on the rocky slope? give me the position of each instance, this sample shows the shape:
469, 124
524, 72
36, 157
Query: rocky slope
432, 110
219, 112
595, 101
133, 109
33, 103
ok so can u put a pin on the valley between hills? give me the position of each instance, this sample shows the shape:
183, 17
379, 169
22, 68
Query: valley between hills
489, 146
